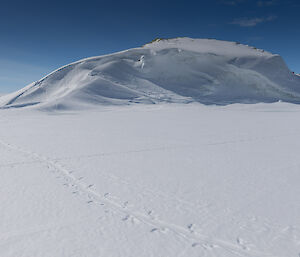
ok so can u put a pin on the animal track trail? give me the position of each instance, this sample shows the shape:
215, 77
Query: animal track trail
191, 206
185, 233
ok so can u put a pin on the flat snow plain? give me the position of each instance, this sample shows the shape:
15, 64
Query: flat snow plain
162, 181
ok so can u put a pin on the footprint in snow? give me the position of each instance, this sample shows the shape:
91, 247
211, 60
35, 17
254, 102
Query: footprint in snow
191, 227
126, 218
152, 215
205, 246
163, 230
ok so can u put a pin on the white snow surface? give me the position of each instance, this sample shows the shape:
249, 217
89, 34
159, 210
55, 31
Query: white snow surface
86, 171
151, 180
180, 70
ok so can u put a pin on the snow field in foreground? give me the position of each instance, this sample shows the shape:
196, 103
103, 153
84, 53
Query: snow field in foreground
167, 180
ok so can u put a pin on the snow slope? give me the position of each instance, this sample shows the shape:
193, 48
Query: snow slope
178, 70
150, 181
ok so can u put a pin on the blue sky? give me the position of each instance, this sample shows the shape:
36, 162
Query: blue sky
40, 36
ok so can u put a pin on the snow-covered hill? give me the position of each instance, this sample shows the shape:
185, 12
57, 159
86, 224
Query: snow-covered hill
178, 70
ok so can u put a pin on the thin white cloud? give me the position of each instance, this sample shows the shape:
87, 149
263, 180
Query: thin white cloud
266, 3
233, 2
251, 22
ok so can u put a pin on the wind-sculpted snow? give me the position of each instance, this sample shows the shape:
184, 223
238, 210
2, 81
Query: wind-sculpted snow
179, 70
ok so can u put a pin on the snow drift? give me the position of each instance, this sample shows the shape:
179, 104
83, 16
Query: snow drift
178, 70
